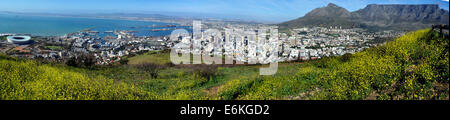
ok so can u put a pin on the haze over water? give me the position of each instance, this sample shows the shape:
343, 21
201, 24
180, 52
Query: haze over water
58, 26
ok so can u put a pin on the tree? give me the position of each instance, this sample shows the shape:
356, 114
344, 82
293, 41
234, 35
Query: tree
151, 68
85, 60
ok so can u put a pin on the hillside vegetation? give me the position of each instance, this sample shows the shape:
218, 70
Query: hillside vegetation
414, 66
28, 80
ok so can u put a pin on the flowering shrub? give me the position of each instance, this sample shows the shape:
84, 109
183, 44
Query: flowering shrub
26, 80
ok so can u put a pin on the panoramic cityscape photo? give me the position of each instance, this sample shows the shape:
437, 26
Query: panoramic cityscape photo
224, 50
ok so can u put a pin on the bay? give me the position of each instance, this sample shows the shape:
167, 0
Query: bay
59, 26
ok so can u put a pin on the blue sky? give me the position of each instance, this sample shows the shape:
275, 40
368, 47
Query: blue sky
264, 10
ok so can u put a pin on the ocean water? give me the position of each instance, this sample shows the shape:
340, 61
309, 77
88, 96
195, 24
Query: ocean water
58, 26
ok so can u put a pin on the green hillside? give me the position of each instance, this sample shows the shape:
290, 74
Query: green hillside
414, 66
29, 80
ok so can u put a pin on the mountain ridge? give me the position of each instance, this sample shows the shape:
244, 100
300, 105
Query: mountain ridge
373, 16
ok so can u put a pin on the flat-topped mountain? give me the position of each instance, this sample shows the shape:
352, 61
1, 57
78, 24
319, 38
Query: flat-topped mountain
400, 17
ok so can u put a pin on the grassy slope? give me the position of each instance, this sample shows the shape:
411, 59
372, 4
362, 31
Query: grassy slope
28, 80
414, 66
150, 57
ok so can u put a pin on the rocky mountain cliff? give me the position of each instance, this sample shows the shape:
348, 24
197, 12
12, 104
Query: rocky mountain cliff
397, 17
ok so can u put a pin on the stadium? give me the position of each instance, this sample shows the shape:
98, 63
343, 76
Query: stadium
19, 39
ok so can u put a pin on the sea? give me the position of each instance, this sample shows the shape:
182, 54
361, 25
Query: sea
59, 26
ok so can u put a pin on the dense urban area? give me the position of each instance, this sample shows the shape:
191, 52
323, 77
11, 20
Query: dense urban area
298, 44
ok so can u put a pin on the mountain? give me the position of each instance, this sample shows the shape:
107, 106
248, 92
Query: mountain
330, 15
373, 16
401, 16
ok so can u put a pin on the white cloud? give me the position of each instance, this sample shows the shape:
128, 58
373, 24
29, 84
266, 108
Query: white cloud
445, 0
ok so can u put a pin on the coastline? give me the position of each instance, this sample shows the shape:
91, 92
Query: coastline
102, 18
81, 17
